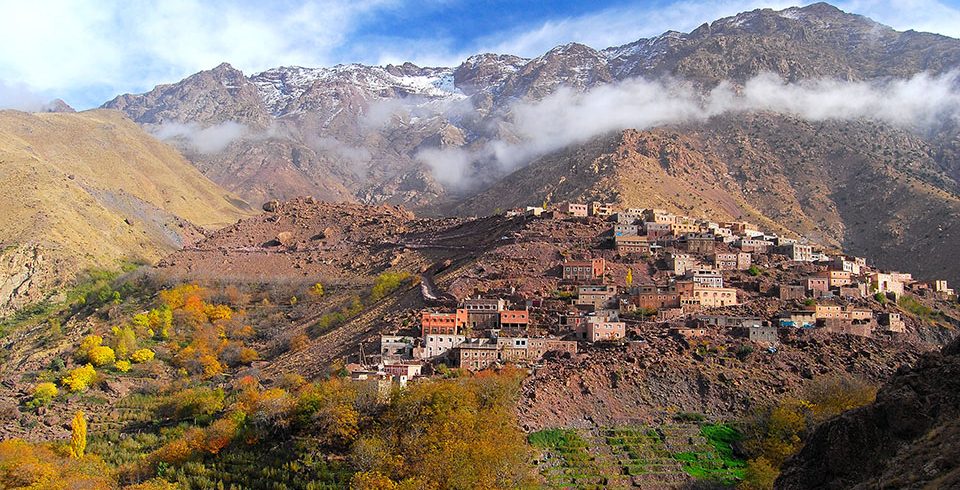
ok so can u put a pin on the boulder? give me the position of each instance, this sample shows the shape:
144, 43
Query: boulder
271, 206
285, 238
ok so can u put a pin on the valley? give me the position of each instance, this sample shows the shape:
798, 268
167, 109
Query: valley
721, 258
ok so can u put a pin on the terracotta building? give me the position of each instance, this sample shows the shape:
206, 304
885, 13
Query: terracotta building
584, 270
442, 323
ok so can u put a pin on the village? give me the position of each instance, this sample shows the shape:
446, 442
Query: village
696, 289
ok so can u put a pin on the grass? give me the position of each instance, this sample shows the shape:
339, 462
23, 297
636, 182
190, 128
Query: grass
717, 462
574, 465
555, 439
92, 288
910, 304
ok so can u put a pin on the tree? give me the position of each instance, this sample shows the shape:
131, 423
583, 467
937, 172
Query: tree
101, 356
371, 480
629, 279
124, 341
760, 475
317, 290
78, 438
79, 379
43, 394
142, 355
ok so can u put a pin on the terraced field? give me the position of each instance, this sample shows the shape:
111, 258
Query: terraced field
638, 456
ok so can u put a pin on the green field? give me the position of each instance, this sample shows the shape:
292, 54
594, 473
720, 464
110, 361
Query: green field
639, 456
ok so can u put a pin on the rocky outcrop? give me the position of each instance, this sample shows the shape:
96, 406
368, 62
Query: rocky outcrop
908, 438
649, 380
25, 277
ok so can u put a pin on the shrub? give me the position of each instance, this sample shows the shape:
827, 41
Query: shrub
79, 379
881, 298
86, 345
101, 356
317, 290
688, 417
911, 304
192, 403
142, 355
298, 342
753, 271
122, 366
386, 283
43, 394
743, 351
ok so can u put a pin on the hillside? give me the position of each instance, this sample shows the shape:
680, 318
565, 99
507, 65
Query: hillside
242, 318
864, 187
906, 439
93, 190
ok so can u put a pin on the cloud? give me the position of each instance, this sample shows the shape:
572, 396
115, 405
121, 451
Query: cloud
94, 49
569, 117
208, 140
344, 151
21, 98
450, 166
618, 26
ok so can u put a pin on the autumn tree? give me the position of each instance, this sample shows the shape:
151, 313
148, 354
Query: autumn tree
43, 394
629, 278
124, 341
78, 437
79, 379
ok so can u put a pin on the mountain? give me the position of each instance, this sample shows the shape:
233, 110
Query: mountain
906, 439
89, 190
432, 138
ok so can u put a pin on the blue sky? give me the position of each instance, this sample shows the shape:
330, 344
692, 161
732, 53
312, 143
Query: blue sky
88, 51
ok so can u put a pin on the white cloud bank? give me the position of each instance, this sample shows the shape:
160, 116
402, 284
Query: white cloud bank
206, 140
568, 117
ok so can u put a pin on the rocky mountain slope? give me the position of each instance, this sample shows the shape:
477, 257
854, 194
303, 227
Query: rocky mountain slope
906, 439
354, 132
865, 187
90, 190
373, 134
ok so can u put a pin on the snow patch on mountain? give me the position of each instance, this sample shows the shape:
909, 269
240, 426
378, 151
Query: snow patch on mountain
280, 88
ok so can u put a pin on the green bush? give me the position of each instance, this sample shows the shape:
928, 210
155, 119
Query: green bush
387, 283
689, 417
910, 304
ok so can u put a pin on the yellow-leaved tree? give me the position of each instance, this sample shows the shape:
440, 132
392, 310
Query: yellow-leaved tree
78, 439
629, 279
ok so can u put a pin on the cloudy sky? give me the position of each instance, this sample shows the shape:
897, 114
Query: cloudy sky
88, 51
